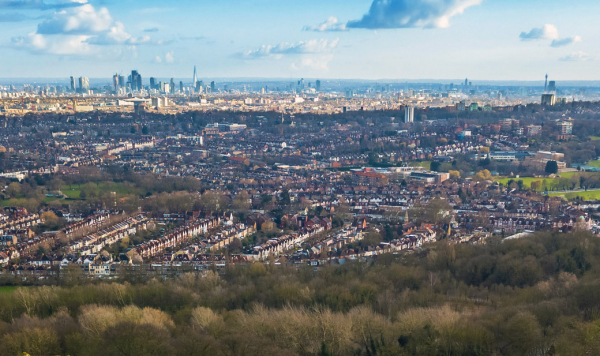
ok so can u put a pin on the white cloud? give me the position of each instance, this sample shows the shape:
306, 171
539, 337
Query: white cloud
82, 20
315, 62
56, 45
331, 25
547, 32
412, 13
565, 41
169, 58
80, 31
40, 4
302, 47
578, 57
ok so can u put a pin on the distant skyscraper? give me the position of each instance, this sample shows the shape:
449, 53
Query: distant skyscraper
172, 86
467, 82
122, 82
152, 83
212, 87
318, 85
72, 83
409, 114
136, 80
552, 86
548, 99
546, 85
181, 86
116, 82
84, 83
195, 80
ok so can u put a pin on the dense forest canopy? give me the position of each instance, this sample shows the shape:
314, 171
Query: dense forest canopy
534, 296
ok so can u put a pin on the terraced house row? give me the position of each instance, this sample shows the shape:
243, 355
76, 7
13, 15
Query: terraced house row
177, 237
276, 247
95, 242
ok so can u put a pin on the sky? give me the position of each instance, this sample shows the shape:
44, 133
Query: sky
335, 39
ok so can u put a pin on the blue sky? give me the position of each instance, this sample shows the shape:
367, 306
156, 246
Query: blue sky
338, 39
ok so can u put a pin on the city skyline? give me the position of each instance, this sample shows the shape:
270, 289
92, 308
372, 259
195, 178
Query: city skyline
364, 39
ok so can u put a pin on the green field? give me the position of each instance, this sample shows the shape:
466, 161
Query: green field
7, 289
73, 191
594, 164
594, 138
425, 164
593, 195
526, 180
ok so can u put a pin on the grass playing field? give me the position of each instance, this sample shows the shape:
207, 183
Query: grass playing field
7, 289
588, 196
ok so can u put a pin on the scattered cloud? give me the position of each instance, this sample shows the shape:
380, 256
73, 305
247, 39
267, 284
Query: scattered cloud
169, 58
152, 29
83, 20
56, 45
40, 4
547, 32
331, 25
565, 41
578, 57
80, 31
388, 14
14, 17
314, 62
302, 47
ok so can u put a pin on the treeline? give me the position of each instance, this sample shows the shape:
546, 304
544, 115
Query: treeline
535, 296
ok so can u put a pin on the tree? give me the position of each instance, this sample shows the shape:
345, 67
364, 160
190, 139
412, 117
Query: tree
145, 130
454, 174
13, 189
128, 339
285, 197
242, 201
435, 166
49, 218
552, 167
483, 175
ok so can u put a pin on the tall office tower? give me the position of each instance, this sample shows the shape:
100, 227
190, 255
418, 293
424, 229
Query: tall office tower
548, 99
552, 86
122, 82
212, 87
152, 83
467, 82
318, 85
409, 114
195, 79
546, 85
136, 80
72, 83
181, 86
172, 86
84, 83
116, 82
